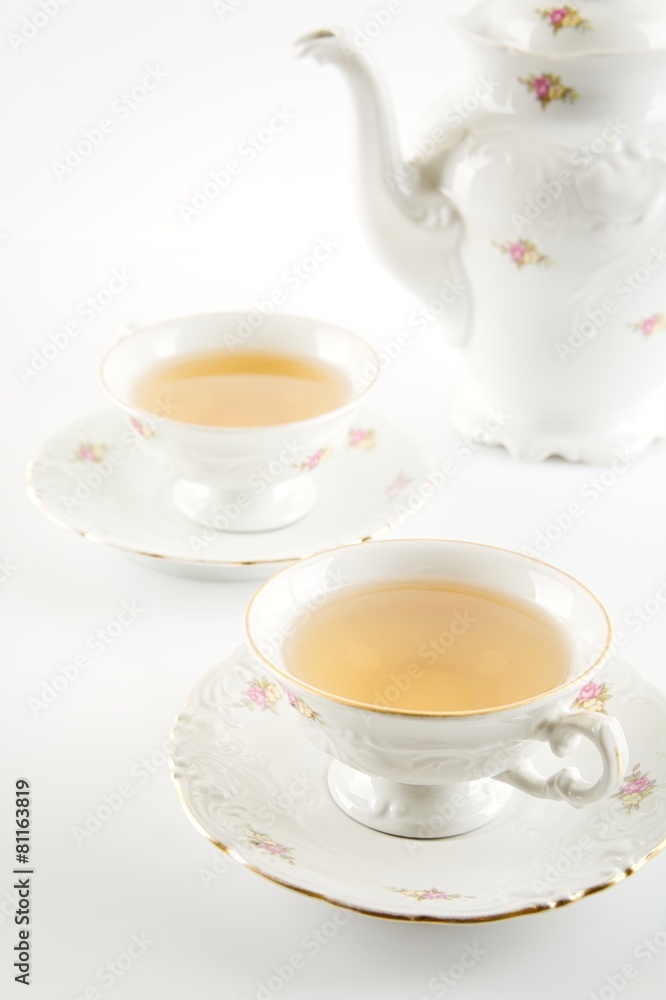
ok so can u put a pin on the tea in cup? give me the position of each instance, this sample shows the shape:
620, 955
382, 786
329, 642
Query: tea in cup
240, 415
430, 671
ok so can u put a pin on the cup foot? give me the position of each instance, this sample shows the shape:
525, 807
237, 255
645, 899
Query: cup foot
277, 506
423, 812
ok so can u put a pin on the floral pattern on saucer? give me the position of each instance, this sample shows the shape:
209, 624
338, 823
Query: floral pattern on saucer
637, 787
650, 325
548, 88
500, 870
88, 452
132, 509
361, 438
262, 694
270, 846
592, 697
423, 894
397, 485
565, 16
523, 253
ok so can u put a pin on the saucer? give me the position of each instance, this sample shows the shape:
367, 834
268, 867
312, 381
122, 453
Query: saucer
92, 479
255, 787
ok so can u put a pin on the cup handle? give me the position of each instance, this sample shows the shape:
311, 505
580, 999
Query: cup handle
563, 735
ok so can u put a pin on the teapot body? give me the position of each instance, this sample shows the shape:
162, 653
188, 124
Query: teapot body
536, 215
561, 188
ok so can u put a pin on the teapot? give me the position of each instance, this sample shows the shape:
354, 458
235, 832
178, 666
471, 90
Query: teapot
532, 219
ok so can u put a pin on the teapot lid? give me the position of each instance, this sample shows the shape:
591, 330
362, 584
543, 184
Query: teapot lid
585, 26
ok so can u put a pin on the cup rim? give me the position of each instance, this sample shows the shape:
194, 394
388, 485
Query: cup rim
416, 713
212, 428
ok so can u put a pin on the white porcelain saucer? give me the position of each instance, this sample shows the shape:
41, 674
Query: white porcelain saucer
92, 479
255, 787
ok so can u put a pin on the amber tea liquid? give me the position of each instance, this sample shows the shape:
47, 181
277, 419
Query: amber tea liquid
429, 647
243, 389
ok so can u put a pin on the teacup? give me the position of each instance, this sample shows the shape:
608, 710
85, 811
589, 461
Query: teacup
237, 478
435, 774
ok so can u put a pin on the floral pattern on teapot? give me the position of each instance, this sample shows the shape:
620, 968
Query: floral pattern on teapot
564, 17
523, 253
547, 88
581, 139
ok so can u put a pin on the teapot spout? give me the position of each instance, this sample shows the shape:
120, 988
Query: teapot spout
414, 227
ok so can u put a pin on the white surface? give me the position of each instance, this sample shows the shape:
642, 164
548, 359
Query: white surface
141, 872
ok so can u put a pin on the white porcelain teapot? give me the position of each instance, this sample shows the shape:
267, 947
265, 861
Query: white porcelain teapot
533, 218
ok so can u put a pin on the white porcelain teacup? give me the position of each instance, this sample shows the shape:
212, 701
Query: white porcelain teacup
434, 774
237, 478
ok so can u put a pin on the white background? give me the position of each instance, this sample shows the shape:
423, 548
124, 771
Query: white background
120, 209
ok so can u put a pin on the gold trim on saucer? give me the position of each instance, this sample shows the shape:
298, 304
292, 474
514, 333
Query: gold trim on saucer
185, 560
417, 918
553, 904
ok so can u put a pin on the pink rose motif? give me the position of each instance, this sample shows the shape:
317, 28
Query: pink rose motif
547, 87
315, 460
650, 325
589, 692
90, 452
398, 484
422, 894
257, 694
359, 438
541, 89
143, 430
266, 843
557, 15
636, 785
293, 700
523, 253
